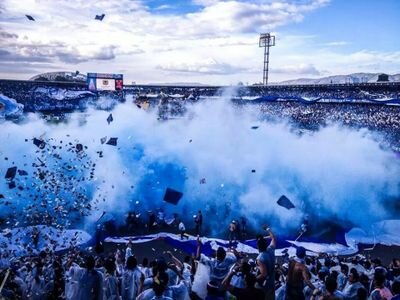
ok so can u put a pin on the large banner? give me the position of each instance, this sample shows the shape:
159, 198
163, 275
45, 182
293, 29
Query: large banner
105, 82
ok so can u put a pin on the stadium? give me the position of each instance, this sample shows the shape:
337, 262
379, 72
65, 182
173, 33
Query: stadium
186, 185
350, 114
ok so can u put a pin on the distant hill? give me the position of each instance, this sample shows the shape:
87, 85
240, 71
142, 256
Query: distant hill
341, 79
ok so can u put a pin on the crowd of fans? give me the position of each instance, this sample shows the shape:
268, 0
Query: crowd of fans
378, 118
172, 102
24, 91
333, 92
118, 274
329, 93
37, 96
382, 119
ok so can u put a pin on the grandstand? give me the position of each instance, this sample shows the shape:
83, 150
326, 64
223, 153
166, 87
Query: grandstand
25, 92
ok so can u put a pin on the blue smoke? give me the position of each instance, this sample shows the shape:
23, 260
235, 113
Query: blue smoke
213, 156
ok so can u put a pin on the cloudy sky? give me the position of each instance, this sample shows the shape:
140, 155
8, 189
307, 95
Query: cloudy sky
205, 41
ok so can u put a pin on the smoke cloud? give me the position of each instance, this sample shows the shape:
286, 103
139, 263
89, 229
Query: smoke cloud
335, 174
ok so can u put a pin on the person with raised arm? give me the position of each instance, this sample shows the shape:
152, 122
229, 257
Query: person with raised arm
219, 266
266, 264
249, 291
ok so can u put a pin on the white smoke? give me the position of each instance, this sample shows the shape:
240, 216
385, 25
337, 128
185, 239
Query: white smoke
332, 174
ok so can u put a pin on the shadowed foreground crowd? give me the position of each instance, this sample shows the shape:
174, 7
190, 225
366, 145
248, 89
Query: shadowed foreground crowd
228, 275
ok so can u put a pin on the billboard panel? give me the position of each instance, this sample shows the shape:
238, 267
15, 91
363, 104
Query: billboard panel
103, 84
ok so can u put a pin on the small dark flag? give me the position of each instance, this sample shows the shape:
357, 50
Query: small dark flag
10, 174
99, 17
172, 196
110, 119
285, 202
30, 18
103, 140
112, 141
39, 143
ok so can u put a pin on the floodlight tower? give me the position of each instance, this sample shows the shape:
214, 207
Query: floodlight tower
266, 40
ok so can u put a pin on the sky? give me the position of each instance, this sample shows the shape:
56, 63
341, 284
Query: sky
199, 41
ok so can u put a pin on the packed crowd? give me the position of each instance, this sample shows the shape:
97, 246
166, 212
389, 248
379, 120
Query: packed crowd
350, 92
379, 118
55, 96
117, 274
23, 91
329, 93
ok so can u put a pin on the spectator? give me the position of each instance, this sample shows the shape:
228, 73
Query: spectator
380, 292
298, 276
89, 281
128, 250
352, 286
199, 222
233, 230
131, 280
182, 229
219, 266
396, 290
266, 264
111, 289
342, 276
248, 291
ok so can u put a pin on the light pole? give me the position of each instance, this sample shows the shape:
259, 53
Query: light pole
266, 41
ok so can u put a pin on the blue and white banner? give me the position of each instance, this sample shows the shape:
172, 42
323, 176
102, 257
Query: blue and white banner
385, 233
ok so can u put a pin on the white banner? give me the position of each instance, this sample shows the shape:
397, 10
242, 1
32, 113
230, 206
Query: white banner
105, 84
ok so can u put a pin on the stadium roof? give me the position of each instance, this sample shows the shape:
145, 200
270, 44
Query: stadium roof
51, 76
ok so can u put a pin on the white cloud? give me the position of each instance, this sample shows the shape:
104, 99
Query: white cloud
209, 66
219, 40
205, 2
164, 7
337, 43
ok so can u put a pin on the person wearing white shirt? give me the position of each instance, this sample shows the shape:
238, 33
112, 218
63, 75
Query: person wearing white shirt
352, 286
182, 229
110, 285
88, 281
131, 280
128, 251
144, 268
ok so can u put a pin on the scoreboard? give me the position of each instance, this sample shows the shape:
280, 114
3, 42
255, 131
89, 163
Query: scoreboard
104, 82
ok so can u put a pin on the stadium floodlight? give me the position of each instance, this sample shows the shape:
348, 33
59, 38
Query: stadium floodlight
266, 41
